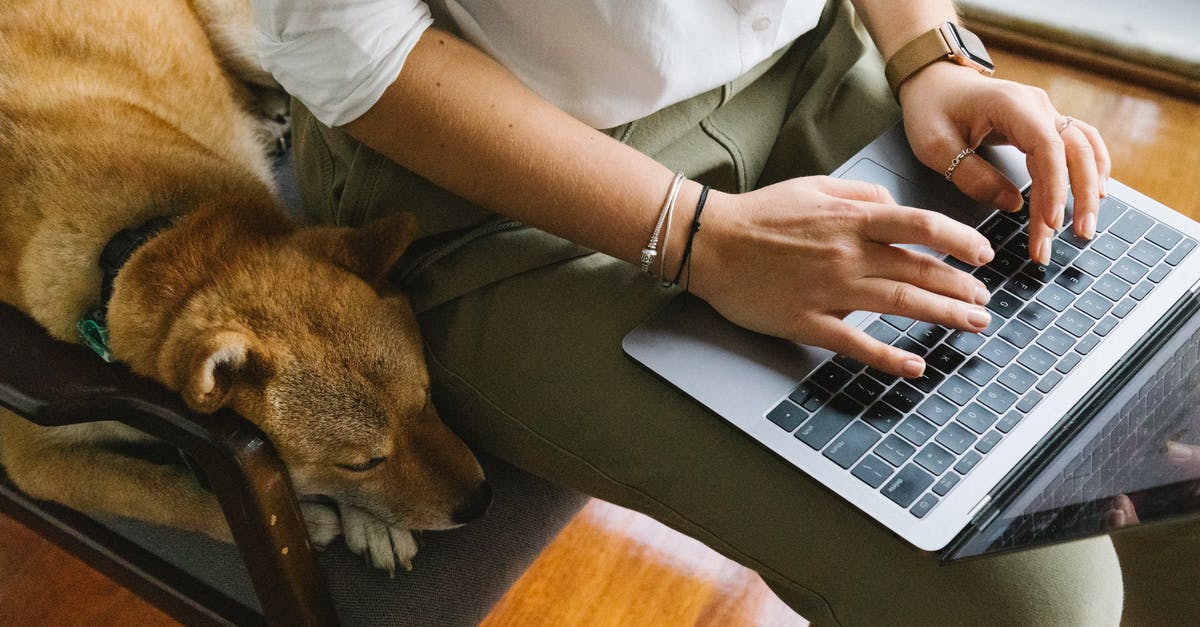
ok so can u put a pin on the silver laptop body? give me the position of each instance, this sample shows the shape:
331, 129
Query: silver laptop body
742, 377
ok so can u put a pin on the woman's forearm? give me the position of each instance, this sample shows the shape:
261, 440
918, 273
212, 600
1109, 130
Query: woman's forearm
893, 24
459, 119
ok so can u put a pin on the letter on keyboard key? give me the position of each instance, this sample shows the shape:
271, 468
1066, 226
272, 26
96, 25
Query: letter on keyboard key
1147, 253
997, 399
1018, 333
1164, 236
882, 416
787, 416
850, 445
895, 450
883, 332
872, 471
1037, 360
976, 417
967, 462
1074, 279
964, 342
998, 352
903, 396
907, 485
825, 424
916, 430
937, 409
1181, 251
955, 438
1131, 226
944, 484
1110, 210
1004, 304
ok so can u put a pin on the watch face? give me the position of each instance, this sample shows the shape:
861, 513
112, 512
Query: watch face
969, 47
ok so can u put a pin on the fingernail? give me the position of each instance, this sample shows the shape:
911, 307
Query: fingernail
1177, 452
978, 317
982, 296
913, 368
986, 254
1118, 518
1089, 226
1041, 252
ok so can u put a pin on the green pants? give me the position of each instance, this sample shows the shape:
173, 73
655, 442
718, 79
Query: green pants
524, 346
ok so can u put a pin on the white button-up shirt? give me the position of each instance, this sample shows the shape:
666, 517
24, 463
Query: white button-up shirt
606, 62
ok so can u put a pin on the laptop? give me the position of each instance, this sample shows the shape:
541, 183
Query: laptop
1062, 420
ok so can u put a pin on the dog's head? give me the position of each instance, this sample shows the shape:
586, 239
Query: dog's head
303, 335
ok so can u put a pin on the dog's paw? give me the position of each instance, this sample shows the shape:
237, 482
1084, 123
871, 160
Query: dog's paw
323, 523
272, 120
383, 545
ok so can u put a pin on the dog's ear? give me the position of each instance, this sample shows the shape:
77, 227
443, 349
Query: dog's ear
369, 251
208, 374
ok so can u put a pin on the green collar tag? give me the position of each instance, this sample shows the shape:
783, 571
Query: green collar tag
95, 337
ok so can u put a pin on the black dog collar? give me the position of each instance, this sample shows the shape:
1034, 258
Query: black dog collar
93, 327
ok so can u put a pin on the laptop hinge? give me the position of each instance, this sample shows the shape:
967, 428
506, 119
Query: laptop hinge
987, 498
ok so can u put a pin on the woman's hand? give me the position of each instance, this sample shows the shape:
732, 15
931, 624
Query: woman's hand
948, 107
791, 260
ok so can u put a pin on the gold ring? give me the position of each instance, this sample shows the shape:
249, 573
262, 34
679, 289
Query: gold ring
1064, 124
957, 160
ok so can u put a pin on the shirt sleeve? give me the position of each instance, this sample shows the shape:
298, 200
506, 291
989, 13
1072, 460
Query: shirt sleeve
338, 56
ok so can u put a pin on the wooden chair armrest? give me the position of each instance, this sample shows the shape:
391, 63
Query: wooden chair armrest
53, 383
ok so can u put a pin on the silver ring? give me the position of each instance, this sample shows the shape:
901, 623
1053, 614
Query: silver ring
957, 160
1062, 126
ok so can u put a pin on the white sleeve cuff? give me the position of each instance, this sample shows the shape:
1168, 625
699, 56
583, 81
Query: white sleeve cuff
338, 56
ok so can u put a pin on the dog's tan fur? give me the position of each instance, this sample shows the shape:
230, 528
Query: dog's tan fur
114, 112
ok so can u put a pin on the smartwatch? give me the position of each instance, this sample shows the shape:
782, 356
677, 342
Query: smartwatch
948, 42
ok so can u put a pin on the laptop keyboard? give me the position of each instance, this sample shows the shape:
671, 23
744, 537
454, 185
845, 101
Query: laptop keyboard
915, 439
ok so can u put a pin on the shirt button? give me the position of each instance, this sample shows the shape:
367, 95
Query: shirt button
761, 24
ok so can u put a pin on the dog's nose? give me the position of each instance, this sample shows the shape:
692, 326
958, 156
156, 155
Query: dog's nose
475, 507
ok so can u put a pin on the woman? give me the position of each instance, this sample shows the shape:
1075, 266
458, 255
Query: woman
461, 111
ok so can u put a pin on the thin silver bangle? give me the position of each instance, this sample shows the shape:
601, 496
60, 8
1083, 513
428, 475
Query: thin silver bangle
666, 234
651, 249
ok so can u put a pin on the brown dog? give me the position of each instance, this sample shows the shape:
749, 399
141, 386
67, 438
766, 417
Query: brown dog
113, 113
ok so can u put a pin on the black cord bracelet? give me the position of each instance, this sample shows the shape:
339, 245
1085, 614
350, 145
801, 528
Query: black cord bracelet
685, 260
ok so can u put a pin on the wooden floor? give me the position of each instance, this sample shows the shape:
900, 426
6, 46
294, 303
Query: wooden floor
614, 567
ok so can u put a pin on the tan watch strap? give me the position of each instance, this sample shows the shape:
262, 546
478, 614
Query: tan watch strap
916, 54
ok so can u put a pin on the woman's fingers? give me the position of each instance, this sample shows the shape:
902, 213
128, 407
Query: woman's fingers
929, 273
905, 299
1085, 178
831, 332
905, 225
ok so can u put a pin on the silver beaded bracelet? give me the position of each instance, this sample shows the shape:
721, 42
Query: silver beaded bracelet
651, 251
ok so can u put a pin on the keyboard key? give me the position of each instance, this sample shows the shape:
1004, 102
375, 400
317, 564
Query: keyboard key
1037, 360
1147, 253
1129, 270
993, 325
929, 380
945, 358
1037, 315
851, 445
1029, 401
1061, 252
1068, 235
1006, 263
1131, 226
964, 342
1056, 341
978, 371
1164, 236
1074, 322
907, 485
1018, 245
1111, 287
1094, 305
1009, 421
916, 430
998, 352
1018, 333
1023, 286
934, 458
990, 278
997, 229
910, 345
830, 376
945, 484
1180, 252
1158, 273
988, 442
882, 377
806, 391
900, 322
1068, 363
864, 389
955, 438
1017, 379
895, 450
1110, 246
1124, 307
937, 410
1049, 382
923, 505
1055, 297
1074, 279
927, 334
977, 417
1005, 304
872, 471
996, 398
958, 390
1106, 326
1088, 343
967, 463
1141, 290
1092, 263
850, 364
882, 417
885, 333
903, 396
828, 422
787, 415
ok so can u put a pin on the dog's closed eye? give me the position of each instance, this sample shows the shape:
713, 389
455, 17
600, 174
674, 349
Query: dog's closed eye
365, 466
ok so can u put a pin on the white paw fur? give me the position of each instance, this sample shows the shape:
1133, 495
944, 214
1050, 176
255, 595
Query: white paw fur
323, 523
383, 545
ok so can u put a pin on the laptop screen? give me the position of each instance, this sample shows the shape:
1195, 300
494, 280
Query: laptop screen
1134, 459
